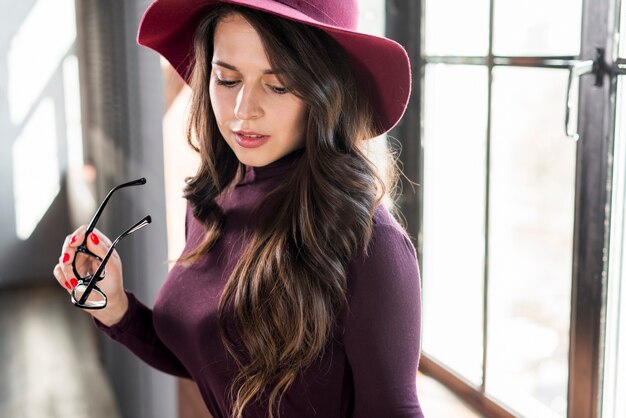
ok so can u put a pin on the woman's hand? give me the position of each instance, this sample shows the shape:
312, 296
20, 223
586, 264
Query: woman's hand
112, 284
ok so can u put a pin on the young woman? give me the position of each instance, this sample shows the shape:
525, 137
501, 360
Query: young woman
297, 293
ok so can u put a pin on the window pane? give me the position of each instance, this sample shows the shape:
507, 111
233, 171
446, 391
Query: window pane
454, 211
622, 31
531, 220
614, 402
457, 27
537, 27
372, 17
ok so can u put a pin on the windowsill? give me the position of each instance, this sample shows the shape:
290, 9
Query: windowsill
438, 401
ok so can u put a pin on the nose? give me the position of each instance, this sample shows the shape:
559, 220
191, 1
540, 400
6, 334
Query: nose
248, 105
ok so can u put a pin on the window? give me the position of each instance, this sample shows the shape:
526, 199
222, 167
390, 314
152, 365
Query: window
516, 219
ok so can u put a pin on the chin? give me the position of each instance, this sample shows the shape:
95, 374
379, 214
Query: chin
253, 158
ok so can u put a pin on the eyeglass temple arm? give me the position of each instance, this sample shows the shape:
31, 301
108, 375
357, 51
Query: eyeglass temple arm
95, 218
145, 221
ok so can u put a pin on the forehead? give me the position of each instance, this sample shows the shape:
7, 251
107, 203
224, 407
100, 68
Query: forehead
238, 43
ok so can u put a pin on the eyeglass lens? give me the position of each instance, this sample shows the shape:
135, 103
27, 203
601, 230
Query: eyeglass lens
95, 299
86, 265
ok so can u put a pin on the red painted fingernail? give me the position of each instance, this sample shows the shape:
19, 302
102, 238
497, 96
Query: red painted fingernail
66, 257
74, 282
94, 238
68, 285
73, 239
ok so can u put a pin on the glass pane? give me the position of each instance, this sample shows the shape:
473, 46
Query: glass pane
445, 20
614, 402
454, 212
537, 27
372, 17
622, 31
95, 299
531, 219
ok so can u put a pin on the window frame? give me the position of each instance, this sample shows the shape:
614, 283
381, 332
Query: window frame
596, 126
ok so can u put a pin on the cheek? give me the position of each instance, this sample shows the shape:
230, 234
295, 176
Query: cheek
215, 102
298, 119
219, 103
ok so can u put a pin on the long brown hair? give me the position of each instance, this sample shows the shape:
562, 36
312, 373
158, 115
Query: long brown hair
298, 257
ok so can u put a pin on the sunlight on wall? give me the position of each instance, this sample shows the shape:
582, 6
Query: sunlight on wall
35, 51
81, 200
72, 112
35, 168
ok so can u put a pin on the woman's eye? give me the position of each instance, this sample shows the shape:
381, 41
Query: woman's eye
225, 83
230, 84
279, 90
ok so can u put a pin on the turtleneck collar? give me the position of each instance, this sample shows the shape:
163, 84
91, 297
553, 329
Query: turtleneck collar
275, 169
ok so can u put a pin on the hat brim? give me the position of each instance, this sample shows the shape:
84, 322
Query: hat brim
380, 65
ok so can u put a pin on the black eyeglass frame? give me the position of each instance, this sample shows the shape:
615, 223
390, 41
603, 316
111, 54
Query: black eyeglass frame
82, 248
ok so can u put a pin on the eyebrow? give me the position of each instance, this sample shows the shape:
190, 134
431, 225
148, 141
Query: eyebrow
232, 67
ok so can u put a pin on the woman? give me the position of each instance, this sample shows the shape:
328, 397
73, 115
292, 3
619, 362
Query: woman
297, 293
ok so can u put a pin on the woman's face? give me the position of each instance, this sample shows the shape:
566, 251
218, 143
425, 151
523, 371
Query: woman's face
248, 99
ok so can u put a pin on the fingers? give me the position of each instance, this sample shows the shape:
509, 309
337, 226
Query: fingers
77, 237
98, 243
70, 244
63, 271
68, 252
62, 279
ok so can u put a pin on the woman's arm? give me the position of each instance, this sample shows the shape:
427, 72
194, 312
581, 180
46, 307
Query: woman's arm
382, 327
136, 332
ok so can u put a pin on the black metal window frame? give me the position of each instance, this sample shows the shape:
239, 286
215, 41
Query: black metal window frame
596, 127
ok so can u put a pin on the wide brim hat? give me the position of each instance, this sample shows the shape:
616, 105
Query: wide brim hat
380, 65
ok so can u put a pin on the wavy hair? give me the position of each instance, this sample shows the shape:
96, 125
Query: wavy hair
298, 257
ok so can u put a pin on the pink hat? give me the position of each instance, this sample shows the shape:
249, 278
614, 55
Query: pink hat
380, 65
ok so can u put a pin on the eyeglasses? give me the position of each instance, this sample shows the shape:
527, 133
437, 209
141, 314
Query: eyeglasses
89, 268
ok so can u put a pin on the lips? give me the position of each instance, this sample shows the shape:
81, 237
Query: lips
251, 134
250, 139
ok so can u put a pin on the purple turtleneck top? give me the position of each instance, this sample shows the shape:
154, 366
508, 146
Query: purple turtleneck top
369, 367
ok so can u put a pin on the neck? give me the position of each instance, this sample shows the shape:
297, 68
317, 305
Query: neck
274, 169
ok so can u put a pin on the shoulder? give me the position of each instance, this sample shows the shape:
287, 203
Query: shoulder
388, 235
383, 218
390, 250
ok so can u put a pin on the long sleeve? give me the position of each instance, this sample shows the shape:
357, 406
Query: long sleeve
137, 333
382, 327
